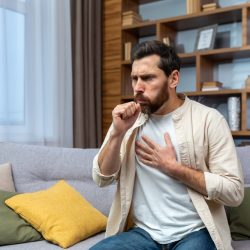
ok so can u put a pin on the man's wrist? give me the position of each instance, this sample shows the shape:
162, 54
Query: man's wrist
116, 135
176, 170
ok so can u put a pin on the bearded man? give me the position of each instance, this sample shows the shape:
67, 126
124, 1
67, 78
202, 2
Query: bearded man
174, 162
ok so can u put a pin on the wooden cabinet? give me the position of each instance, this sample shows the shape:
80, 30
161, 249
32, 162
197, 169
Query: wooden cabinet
202, 64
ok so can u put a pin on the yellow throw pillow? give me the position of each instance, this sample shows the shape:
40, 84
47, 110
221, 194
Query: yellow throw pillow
60, 213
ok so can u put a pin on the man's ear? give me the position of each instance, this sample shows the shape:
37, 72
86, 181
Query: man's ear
174, 79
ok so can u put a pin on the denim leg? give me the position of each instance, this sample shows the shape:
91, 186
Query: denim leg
195, 241
134, 239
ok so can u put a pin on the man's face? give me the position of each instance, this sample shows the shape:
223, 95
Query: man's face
150, 84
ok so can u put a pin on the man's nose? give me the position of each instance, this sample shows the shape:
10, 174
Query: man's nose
139, 86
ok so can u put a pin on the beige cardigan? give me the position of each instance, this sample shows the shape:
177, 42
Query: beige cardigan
205, 143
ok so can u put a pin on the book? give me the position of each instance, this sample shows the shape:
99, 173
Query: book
209, 9
127, 51
212, 84
189, 6
211, 88
192, 6
210, 6
130, 18
130, 22
196, 6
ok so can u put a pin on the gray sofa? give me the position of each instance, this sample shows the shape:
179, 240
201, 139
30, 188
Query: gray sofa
38, 167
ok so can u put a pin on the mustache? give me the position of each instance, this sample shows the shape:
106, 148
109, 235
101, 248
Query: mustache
140, 97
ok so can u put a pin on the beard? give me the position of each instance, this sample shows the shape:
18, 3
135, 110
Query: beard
148, 106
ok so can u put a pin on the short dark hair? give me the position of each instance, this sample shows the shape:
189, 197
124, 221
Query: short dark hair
169, 60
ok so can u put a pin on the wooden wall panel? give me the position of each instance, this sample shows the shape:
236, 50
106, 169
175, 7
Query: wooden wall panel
111, 72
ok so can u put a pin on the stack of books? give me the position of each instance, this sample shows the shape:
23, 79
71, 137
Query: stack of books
127, 51
211, 86
193, 6
130, 17
209, 6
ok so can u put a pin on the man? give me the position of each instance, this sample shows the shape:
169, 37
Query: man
174, 160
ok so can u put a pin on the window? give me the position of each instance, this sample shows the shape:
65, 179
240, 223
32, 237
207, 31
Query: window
35, 72
12, 30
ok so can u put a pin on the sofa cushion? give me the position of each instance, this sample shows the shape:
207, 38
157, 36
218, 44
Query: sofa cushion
239, 220
6, 180
46, 245
60, 213
13, 229
239, 245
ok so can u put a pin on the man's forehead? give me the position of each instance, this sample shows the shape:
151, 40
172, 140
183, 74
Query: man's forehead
146, 65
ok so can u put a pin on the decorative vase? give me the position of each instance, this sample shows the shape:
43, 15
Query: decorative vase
233, 105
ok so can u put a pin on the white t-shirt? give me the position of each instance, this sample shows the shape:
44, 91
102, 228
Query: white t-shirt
161, 205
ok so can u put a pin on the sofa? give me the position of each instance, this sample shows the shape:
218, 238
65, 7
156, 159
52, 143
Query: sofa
37, 168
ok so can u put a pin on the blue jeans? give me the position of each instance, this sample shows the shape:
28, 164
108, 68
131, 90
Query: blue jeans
138, 239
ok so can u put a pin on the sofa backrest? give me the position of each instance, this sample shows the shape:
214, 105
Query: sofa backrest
244, 157
38, 167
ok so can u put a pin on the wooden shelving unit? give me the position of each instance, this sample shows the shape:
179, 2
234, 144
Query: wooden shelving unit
205, 61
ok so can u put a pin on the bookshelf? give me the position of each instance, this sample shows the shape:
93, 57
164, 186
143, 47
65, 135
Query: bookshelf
203, 63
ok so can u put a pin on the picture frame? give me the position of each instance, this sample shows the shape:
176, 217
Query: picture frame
206, 37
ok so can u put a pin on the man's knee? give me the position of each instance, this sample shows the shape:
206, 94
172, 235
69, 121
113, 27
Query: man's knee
196, 240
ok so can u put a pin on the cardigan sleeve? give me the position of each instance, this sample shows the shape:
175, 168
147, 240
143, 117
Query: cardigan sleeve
224, 180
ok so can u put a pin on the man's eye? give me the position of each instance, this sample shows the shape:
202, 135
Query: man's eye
148, 78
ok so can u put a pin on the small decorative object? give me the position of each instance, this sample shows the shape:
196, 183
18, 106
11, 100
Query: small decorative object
247, 82
206, 37
233, 104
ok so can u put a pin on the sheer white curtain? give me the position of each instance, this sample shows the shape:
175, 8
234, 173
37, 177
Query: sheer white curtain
35, 72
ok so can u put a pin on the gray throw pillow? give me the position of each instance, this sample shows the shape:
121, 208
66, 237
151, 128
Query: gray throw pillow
6, 180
